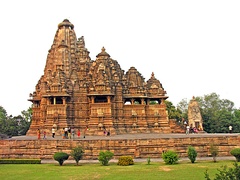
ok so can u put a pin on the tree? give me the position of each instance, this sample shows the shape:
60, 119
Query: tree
192, 153
3, 118
27, 114
173, 113
14, 126
23, 125
217, 113
183, 107
214, 152
25, 121
77, 153
226, 173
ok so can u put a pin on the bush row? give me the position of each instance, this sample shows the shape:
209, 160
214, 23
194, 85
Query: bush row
169, 156
20, 161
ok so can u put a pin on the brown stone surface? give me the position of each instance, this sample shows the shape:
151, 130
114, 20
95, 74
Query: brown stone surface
75, 91
135, 145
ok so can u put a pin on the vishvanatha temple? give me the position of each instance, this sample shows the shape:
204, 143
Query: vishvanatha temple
78, 92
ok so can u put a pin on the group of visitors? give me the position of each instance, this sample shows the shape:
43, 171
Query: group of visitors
68, 133
191, 130
45, 133
105, 132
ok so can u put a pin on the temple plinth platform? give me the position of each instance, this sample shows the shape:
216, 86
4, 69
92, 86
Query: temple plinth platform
136, 145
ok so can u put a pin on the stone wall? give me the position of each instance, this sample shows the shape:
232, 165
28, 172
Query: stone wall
137, 148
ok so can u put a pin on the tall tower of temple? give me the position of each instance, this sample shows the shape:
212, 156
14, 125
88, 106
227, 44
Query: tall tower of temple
78, 92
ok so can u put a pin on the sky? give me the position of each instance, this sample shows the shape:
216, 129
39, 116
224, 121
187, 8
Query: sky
192, 46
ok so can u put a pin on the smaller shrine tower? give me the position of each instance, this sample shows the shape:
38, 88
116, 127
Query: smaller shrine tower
194, 115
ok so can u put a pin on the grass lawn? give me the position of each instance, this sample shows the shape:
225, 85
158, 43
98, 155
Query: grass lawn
156, 170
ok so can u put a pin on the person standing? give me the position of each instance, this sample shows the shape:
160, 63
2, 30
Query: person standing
86, 129
78, 133
230, 129
187, 129
53, 132
38, 133
44, 134
66, 132
73, 132
69, 133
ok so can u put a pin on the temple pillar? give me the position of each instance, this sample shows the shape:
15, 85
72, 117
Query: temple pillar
132, 101
148, 101
92, 99
64, 100
108, 99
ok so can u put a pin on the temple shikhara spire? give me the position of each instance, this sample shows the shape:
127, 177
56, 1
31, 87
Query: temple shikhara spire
78, 92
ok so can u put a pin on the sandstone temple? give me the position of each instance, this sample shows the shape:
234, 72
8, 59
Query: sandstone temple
78, 92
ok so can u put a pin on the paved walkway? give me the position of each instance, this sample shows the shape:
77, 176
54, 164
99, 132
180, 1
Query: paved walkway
51, 161
131, 136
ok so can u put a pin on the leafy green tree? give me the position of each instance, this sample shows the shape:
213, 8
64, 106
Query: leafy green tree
226, 173
11, 126
3, 118
77, 153
217, 113
14, 126
192, 153
27, 114
236, 120
173, 112
183, 107
23, 125
214, 151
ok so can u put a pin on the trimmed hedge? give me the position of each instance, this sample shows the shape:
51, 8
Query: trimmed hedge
125, 161
236, 153
170, 157
60, 157
20, 161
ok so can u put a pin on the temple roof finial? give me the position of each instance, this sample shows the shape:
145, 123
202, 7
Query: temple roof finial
66, 23
152, 75
103, 53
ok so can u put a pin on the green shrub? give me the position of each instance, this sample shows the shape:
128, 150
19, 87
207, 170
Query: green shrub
192, 154
125, 161
77, 153
105, 157
20, 161
214, 152
170, 157
226, 174
236, 153
60, 157
148, 160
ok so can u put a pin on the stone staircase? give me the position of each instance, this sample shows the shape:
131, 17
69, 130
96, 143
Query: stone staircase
176, 127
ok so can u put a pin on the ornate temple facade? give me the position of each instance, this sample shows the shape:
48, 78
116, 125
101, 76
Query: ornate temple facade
78, 92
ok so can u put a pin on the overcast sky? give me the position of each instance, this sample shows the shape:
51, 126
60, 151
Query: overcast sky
192, 46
